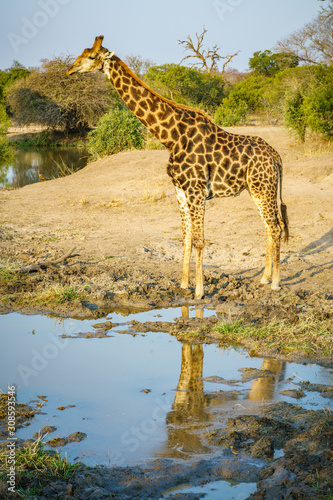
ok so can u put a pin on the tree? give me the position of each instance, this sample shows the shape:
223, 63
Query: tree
203, 55
266, 63
49, 97
138, 65
10, 75
312, 44
187, 85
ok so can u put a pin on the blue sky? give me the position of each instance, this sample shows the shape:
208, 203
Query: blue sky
34, 29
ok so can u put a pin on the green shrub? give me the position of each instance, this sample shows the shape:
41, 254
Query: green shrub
6, 149
318, 104
294, 114
309, 103
118, 130
229, 114
188, 85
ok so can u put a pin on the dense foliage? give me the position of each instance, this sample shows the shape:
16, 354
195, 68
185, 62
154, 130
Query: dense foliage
117, 130
309, 105
9, 76
188, 85
266, 63
49, 97
6, 150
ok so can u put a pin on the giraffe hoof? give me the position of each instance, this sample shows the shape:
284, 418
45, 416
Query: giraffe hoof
275, 286
264, 281
199, 295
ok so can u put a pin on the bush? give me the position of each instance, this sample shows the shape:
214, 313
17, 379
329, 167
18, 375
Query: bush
229, 114
6, 149
294, 114
117, 130
318, 104
309, 103
187, 85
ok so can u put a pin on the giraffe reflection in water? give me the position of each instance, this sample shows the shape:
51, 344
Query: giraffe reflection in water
191, 407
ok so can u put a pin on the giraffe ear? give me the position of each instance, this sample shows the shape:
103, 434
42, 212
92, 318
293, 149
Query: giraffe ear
109, 54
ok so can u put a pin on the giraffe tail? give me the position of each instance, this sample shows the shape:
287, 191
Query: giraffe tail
283, 207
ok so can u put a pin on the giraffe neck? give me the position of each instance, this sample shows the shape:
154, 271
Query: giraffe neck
161, 116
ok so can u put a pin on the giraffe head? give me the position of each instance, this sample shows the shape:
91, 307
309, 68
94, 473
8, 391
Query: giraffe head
91, 59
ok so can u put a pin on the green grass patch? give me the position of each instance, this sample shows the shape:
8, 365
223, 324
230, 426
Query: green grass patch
35, 468
6, 274
57, 294
309, 335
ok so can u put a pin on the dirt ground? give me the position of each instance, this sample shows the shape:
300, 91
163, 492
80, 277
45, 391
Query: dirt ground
121, 215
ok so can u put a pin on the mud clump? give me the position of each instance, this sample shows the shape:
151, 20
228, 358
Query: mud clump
74, 437
306, 437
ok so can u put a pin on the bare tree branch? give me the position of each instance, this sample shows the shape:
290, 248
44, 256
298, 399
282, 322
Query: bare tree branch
37, 266
203, 55
313, 43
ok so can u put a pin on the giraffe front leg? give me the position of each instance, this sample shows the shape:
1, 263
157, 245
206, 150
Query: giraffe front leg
197, 210
187, 235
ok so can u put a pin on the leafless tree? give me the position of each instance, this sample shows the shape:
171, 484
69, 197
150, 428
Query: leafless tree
207, 58
313, 43
139, 65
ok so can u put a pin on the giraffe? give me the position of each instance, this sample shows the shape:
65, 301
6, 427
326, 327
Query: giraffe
205, 162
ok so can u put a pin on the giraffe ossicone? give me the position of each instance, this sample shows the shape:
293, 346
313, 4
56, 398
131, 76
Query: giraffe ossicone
205, 162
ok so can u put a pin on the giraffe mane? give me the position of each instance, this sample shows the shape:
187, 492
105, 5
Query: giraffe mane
165, 99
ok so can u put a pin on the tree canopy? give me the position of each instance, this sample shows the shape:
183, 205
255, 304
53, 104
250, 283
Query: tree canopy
187, 85
267, 63
49, 97
10, 75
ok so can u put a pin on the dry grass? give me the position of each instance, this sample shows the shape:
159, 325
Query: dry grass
153, 195
309, 336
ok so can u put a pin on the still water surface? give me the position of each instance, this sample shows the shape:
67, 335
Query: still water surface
100, 382
51, 163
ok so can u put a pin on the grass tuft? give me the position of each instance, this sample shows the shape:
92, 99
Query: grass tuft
35, 467
309, 336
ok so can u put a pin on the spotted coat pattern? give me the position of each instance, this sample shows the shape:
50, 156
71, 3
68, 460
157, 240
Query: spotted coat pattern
205, 161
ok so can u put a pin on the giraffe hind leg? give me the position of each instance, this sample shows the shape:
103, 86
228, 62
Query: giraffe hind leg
270, 216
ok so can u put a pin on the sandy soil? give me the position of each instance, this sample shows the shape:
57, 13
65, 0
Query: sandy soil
122, 216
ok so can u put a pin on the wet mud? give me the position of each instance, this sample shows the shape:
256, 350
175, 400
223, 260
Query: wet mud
285, 449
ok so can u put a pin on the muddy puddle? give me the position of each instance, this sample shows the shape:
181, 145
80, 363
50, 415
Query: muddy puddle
108, 394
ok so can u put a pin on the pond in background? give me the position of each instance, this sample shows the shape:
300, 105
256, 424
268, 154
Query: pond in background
51, 163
